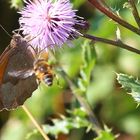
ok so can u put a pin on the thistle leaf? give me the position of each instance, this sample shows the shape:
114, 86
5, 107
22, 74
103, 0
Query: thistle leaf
17, 4
106, 134
65, 124
127, 5
89, 59
131, 85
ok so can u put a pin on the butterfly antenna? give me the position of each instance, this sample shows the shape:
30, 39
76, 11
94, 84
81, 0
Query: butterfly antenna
33, 37
45, 48
19, 29
5, 31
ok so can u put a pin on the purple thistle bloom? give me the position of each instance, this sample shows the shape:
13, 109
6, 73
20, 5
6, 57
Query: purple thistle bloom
49, 22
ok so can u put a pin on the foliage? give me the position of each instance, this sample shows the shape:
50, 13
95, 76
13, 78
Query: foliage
65, 124
88, 62
17, 4
130, 84
106, 134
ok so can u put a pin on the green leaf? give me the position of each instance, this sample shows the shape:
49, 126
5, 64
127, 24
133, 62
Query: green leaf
65, 124
130, 84
79, 112
127, 5
89, 59
17, 4
105, 134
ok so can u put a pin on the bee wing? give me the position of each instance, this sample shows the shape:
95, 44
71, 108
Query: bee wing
22, 74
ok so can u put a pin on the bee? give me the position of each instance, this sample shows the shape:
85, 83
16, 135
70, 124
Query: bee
41, 69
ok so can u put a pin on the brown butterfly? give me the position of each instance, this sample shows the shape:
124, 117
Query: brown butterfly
15, 90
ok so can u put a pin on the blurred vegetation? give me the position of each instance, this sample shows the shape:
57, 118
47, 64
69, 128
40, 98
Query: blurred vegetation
108, 100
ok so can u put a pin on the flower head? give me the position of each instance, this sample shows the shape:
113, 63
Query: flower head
49, 22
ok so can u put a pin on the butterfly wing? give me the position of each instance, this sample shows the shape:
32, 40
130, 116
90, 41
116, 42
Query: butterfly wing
21, 74
4, 58
15, 90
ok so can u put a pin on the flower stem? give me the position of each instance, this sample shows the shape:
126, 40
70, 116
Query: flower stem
83, 102
135, 12
35, 123
113, 16
118, 43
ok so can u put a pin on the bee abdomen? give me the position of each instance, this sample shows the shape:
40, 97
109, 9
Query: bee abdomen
48, 79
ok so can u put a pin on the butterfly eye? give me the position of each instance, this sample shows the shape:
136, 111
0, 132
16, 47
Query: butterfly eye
16, 39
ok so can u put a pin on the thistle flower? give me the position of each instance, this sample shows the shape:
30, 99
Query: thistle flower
49, 22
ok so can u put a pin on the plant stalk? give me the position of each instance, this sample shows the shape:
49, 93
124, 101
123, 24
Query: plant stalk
113, 16
135, 12
83, 103
117, 43
35, 123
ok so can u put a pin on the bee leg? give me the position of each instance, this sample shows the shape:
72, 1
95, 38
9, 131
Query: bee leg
38, 82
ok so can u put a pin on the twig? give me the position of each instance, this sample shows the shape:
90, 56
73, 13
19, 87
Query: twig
135, 12
105, 4
35, 123
118, 43
83, 102
114, 17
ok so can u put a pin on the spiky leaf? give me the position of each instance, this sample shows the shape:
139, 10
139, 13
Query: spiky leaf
17, 4
65, 124
105, 134
131, 84
89, 58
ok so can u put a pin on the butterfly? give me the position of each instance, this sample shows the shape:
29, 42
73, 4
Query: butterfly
15, 90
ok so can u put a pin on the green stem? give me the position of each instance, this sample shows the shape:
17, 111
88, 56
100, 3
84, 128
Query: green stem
113, 16
83, 103
81, 100
118, 43
35, 123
